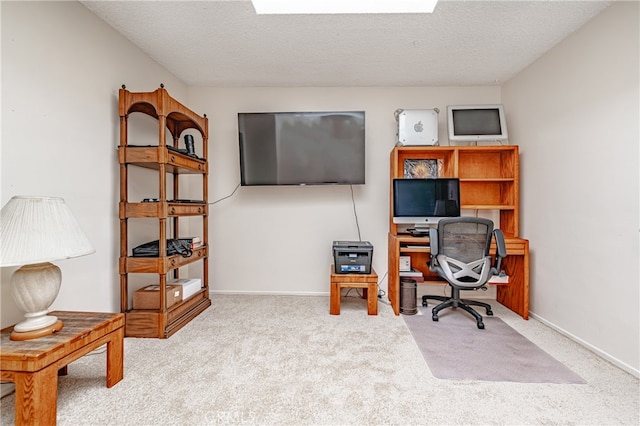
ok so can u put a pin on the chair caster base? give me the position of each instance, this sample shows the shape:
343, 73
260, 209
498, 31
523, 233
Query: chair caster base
480, 325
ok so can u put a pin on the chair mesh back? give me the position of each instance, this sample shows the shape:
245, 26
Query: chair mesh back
465, 241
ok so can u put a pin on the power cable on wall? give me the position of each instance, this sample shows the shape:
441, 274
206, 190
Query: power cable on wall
228, 196
355, 213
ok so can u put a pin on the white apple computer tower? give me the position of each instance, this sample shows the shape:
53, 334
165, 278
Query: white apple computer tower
417, 126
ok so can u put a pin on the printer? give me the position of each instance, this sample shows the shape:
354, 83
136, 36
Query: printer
352, 257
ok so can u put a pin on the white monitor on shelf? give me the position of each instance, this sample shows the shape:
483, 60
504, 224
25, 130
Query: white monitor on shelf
475, 123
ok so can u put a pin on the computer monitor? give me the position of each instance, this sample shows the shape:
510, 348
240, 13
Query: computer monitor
423, 202
474, 123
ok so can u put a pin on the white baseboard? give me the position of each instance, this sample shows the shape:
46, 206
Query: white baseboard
613, 360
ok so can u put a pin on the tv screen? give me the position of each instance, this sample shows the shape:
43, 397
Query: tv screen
425, 201
470, 123
302, 148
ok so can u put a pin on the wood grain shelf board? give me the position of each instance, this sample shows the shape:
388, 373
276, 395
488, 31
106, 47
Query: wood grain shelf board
161, 209
152, 157
159, 265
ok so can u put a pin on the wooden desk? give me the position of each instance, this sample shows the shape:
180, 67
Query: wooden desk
33, 364
514, 295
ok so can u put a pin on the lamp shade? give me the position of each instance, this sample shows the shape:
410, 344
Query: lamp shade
39, 229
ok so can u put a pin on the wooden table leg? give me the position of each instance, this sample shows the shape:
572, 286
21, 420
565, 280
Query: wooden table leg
115, 357
334, 303
36, 397
372, 300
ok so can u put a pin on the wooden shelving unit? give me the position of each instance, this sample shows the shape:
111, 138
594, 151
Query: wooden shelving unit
175, 118
489, 180
489, 177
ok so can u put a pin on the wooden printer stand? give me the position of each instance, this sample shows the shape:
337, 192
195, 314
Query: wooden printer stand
368, 282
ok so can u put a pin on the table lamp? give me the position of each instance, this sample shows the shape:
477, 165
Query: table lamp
36, 231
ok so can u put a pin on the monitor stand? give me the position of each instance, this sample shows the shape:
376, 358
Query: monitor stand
426, 226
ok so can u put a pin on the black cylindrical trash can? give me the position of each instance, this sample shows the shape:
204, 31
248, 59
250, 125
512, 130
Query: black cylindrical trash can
408, 296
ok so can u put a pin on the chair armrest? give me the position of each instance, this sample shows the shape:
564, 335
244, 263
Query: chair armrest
501, 248
433, 241
433, 250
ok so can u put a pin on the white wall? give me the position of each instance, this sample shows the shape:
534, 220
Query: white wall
61, 71
278, 239
575, 116
62, 66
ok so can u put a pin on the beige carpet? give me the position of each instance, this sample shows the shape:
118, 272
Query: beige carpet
280, 360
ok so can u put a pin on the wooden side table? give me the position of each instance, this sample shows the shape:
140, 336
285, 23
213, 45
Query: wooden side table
369, 282
32, 365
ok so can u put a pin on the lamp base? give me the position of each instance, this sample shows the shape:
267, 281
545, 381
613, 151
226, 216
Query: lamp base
34, 334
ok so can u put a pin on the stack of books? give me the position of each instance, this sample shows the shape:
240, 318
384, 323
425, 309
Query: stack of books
194, 241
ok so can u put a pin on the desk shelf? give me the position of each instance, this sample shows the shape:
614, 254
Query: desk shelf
489, 177
410, 249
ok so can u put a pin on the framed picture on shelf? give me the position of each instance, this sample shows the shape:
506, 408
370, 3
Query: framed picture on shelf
422, 168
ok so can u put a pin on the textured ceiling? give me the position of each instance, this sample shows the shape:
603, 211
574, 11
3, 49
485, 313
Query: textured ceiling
224, 43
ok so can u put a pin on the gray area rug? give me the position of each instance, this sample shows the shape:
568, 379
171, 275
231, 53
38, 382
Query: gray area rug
454, 348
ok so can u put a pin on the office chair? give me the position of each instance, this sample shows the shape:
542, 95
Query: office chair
460, 255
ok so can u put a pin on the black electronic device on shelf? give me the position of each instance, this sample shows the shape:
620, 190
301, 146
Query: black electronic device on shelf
352, 257
421, 203
183, 200
302, 148
184, 151
419, 232
152, 248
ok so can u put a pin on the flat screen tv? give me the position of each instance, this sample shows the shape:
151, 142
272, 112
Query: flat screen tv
302, 148
423, 202
469, 123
